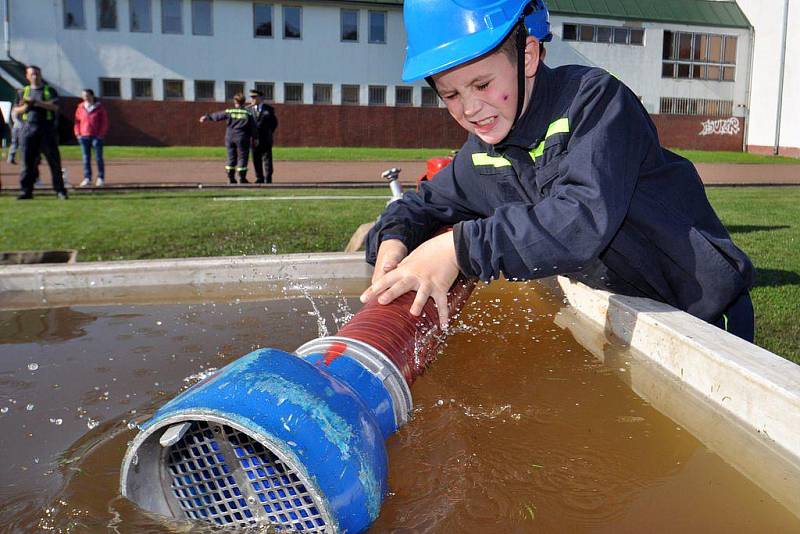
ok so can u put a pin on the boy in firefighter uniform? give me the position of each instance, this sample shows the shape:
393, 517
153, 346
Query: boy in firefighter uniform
266, 124
562, 173
239, 134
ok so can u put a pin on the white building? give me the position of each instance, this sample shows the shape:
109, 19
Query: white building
351, 53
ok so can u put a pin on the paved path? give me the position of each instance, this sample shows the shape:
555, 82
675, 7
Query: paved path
211, 172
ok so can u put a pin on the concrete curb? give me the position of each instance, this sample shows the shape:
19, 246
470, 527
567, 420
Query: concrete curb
191, 271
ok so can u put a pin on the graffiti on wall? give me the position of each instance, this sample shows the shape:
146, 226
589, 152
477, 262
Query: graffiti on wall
720, 127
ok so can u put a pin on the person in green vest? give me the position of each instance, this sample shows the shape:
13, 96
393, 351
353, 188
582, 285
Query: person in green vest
37, 107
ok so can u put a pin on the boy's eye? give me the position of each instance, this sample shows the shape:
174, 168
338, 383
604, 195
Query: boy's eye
449, 96
482, 86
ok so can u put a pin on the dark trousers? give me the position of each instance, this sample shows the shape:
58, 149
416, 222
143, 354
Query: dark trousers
738, 318
238, 155
35, 140
262, 161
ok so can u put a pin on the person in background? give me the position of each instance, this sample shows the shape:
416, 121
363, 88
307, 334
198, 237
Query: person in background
266, 124
37, 106
91, 127
239, 134
16, 129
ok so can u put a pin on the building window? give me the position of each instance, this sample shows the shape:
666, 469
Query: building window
377, 27
377, 95
142, 88
699, 56
323, 93
110, 88
695, 106
592, 33
351, 95
141, 16
106, 14
403, 95
293, 93
292, 22
429, 98
268, 88
204, 90
233, 88
73, 15
173, 89
202, 17
569, 32
349, 25
262, 20
171, 16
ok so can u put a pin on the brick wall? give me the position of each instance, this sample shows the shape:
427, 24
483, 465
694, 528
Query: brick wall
159, 123
687, 131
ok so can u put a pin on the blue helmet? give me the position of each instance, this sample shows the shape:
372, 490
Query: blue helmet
446, 33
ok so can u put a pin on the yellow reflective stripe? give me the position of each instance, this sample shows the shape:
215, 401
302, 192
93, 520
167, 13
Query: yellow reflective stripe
26, 93
556, 127
482, 158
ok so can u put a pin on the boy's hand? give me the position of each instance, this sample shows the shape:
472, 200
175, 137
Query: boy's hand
390, 253
430, 270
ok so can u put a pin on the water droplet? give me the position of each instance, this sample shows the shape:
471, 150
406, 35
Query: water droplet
29, 407
274, 249
33, 366
4, 409
158, 323
91, 423
56, 421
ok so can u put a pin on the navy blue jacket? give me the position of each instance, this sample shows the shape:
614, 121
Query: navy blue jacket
581, 187
240, 123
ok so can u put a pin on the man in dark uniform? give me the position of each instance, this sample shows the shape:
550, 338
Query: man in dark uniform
37, 107
238, 136
266, 124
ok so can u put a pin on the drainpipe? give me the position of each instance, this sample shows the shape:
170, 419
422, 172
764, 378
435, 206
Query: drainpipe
749, 96
780, 79
7, 28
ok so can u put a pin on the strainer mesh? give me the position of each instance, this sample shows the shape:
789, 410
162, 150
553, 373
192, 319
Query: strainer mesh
224, 476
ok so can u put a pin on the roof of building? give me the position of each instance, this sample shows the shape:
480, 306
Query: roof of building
695, 12
723, 13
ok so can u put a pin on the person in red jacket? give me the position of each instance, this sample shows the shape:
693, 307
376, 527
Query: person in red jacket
91, 126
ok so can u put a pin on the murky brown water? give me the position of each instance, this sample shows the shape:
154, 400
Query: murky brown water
517, 428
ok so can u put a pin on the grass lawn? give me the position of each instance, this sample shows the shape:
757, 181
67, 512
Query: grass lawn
278, 153
365, 154
765, 222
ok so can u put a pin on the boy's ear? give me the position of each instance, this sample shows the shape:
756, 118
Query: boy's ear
531, 56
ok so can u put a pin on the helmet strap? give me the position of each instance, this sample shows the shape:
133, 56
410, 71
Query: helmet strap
521, 37
429, 80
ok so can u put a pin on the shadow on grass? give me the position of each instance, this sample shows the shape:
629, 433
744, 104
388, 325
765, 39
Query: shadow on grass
776, 278
748, 228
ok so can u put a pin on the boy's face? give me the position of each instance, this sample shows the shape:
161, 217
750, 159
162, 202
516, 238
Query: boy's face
482, 95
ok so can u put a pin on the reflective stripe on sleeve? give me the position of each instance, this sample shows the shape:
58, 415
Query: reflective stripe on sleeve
556, 127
